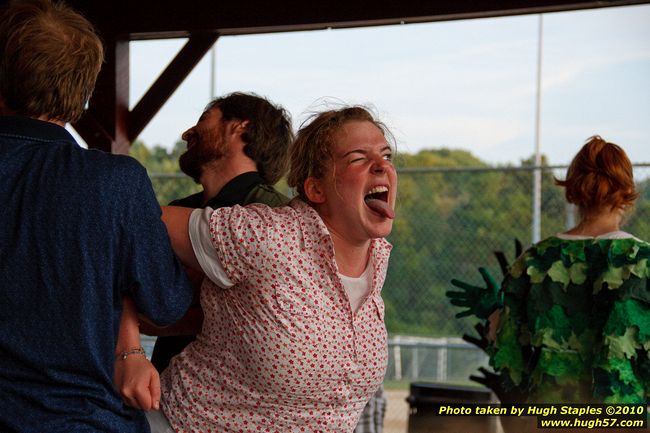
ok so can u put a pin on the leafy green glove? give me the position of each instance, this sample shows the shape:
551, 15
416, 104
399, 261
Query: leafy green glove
479, 301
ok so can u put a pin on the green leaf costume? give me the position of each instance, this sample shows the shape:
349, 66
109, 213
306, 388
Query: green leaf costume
575, 323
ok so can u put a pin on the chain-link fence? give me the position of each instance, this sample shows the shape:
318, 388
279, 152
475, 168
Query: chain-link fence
450, 221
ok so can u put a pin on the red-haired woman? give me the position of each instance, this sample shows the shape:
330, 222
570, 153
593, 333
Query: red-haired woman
575, 322
574, 325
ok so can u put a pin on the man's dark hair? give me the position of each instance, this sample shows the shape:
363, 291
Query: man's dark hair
268, 135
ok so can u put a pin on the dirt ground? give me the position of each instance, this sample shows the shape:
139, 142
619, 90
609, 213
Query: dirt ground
397, 411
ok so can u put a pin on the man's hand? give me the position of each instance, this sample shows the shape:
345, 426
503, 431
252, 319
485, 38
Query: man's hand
138, 382
479, 301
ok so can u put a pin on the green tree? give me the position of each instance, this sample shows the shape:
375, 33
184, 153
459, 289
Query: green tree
637, 222
168, 182
449, 223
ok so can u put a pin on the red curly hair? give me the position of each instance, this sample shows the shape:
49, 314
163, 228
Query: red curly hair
600, 175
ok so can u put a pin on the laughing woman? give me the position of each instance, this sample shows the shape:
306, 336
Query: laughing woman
293, 337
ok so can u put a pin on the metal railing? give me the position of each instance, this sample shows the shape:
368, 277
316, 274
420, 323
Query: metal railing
417, 358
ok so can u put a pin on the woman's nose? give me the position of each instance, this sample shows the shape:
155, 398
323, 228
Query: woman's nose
380, 165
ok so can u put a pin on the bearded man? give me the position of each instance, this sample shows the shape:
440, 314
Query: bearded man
237, 150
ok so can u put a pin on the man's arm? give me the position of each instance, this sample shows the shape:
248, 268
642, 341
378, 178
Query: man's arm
190, 324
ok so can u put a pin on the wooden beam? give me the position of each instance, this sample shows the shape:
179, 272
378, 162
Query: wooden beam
167, 83
104, 125
175, 19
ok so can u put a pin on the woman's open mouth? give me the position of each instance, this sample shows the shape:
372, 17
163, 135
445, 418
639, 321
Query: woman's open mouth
377, 200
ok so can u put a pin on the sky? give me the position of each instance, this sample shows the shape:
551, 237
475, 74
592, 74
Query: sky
468, 84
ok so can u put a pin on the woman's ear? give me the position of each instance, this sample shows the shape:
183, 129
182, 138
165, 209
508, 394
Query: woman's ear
314, 190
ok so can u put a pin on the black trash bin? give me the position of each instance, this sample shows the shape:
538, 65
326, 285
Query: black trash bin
425, 398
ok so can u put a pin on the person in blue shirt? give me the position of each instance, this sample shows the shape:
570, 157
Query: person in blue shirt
79, 230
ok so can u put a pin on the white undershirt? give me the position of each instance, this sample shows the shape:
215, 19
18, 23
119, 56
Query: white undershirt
357, 288
618, 234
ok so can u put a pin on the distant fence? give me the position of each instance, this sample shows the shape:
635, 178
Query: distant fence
444, 360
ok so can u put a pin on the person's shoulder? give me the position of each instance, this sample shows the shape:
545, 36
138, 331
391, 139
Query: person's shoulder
262, 213
118, 168
629, 247
117, 179
266, 194
110, 160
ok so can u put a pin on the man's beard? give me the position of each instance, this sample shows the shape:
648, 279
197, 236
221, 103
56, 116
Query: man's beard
191, 162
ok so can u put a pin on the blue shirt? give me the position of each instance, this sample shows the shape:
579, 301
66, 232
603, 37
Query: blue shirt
78, 230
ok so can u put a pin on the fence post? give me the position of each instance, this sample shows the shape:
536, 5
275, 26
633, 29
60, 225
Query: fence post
397, 352
441, 370
415, 369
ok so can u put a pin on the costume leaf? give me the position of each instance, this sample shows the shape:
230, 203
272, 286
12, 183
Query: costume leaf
508, 351
624, 369
624, 346
536, 275
640, 269
559, 273
557, 321
564, 338
575, 251
562, 364
613, 277
578, 273
625, 248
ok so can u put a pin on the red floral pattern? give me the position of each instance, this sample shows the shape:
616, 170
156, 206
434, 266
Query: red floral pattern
281, 350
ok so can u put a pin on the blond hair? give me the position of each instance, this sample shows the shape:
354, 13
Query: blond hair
49, 60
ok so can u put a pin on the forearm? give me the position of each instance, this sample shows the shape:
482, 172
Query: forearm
129, 333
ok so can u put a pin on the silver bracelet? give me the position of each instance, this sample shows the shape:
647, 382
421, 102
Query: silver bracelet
132, 351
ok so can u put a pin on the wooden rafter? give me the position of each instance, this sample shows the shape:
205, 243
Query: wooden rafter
172, 77
108, 124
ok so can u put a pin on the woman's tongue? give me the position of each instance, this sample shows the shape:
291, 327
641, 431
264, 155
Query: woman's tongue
381, 207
